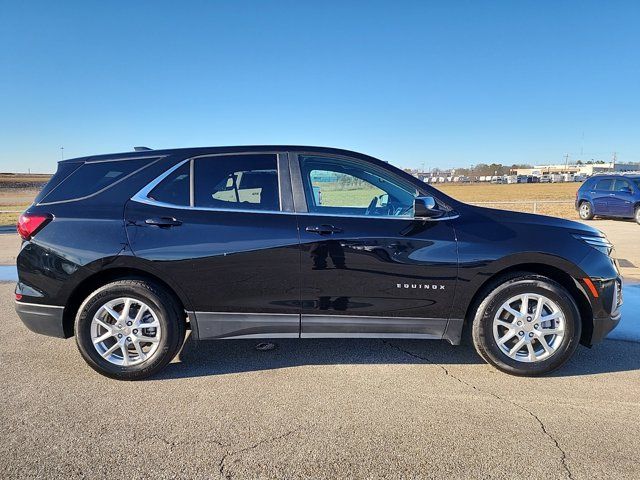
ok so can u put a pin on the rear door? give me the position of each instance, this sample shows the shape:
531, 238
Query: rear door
368, 268
602, 189
222, 228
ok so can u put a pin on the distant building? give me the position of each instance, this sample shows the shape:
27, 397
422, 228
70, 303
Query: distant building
580, 169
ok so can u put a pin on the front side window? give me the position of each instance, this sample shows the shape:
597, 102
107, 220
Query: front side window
244, 182
622, 185
351, 187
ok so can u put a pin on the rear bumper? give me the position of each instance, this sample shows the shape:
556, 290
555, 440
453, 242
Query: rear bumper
43, 319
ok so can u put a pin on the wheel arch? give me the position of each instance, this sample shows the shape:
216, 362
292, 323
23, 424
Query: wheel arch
103, 277
550, 271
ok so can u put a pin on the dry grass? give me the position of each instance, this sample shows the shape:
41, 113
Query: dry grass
479, 192
17, 193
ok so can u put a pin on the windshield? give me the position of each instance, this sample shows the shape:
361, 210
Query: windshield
637, 181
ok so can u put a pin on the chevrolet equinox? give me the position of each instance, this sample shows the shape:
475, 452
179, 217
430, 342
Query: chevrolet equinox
128, 251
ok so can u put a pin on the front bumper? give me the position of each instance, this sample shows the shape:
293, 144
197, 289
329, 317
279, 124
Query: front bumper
608, 315
43, 319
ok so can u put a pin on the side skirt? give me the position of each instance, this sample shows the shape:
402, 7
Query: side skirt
226, 325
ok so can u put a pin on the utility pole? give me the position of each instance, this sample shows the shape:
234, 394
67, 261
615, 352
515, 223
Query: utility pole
62, 153
566, 162
615, 157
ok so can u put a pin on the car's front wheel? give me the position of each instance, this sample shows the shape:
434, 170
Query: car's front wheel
527, 325
586, 211
638, 215
129, 329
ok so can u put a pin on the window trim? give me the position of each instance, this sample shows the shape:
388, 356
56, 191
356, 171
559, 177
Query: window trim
143, 195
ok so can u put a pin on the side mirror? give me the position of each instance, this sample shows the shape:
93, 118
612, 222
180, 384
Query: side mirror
426, 207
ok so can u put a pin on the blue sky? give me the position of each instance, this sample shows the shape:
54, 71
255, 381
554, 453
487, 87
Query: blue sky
447, 83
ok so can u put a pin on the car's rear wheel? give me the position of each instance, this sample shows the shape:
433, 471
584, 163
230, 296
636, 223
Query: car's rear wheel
527, 325
586, 211
129, 329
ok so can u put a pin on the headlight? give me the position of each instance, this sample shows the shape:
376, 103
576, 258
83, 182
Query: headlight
599, 243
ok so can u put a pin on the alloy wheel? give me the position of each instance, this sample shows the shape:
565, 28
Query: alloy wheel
125, 331
585, 210
529, 328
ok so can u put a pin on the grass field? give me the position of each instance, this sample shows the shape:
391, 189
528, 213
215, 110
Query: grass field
332, 194
17, 193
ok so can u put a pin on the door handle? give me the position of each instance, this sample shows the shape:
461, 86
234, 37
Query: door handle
163, 222
323, 229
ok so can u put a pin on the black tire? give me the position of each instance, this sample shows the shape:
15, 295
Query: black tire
637, 215
585, 211
508, 287
170, 316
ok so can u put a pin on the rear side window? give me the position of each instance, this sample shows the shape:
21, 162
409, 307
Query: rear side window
175, 188
93, 177
605, 184
245, 182
64, 170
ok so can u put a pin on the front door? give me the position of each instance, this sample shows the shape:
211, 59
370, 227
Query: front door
217, 226
369, 268
621, 199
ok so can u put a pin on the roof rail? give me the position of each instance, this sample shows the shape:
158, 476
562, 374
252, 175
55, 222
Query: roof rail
141, 149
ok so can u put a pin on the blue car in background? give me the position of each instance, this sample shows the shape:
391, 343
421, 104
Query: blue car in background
609, 196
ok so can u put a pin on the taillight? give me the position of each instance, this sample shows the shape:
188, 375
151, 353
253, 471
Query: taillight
31, 223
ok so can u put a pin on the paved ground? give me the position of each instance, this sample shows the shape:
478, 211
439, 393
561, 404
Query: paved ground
315, 409
625, 235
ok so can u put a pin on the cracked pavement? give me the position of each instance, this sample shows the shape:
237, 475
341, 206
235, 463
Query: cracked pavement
315, 409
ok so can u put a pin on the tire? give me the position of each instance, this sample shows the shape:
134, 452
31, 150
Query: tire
157, 343
585, 210
637, 215
488, 328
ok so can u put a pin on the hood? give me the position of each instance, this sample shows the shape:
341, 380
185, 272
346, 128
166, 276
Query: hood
534, 219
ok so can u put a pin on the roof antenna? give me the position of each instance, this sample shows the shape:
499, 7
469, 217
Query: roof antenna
141, 149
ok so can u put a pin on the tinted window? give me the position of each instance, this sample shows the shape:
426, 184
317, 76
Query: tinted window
64, 170
175, 188
91, 178
605, 184
351, 187
247, 182
622, 185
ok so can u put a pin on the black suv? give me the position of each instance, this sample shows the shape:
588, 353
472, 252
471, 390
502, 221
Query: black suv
129, 251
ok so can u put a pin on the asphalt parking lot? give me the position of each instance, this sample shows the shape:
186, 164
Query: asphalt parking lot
315, 409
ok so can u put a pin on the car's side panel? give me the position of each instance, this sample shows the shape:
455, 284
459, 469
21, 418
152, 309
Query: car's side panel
600, 200
236, 262
621, 202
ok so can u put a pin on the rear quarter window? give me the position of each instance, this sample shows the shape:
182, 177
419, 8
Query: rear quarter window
93, 177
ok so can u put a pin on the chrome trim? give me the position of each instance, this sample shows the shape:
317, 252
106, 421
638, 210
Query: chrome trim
38, 305
192, 186
143, 197
417, 336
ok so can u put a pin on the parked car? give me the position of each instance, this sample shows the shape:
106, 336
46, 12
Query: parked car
545, 178
129, 251
609, 196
